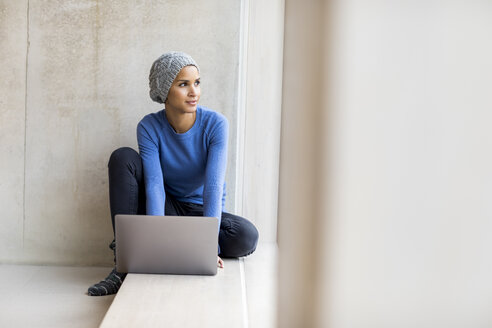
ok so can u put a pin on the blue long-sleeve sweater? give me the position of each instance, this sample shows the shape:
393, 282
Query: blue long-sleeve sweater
190, 166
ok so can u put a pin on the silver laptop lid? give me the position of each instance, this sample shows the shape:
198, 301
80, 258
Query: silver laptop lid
166, 244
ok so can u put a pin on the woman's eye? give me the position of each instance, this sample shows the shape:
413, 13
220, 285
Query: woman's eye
182, 84
197, 82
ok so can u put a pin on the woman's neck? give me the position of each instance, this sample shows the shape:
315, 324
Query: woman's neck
180, 122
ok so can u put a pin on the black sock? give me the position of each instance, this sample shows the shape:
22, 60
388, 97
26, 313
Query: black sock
109, 285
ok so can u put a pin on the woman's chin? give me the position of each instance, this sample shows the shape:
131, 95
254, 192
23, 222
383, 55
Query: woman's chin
190, 109
183, 110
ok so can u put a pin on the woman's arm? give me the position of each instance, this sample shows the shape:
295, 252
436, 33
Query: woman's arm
215, 171
154, 182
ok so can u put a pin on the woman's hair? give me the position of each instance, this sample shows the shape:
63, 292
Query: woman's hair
163, 72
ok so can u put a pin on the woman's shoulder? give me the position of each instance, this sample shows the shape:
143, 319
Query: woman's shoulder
214, 124
150, 125
212, 118
152, 118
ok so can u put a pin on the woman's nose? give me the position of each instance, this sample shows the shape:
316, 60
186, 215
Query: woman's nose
193, 90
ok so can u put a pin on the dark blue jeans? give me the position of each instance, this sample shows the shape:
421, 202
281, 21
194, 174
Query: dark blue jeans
237, 236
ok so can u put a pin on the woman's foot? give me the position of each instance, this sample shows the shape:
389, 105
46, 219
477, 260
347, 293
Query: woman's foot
109, 285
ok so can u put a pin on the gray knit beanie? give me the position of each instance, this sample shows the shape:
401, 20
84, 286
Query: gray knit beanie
163, 72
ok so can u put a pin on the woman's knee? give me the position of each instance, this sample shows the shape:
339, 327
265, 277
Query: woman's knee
243, 238
123, 155
250, 237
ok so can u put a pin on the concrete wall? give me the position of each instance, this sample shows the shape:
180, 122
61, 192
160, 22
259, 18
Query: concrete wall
13, 49
400, 158
84, 91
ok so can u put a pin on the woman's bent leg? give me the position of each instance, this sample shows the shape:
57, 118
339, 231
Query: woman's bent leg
126, 186
237, 236
126, 196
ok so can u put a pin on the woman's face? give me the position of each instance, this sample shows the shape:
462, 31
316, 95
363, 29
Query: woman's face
185, 91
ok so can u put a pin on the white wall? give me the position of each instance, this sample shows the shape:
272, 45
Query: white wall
85, 90
259, 126
401, 236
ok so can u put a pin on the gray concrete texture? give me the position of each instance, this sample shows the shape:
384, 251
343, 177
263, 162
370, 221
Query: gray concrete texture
13, 46
87, 88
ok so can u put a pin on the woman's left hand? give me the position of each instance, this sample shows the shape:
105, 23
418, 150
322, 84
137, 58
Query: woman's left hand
220, 262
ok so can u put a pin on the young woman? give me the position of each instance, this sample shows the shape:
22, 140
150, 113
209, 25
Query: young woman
181, 166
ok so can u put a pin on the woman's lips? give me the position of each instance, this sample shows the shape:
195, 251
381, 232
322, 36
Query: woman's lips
192, 102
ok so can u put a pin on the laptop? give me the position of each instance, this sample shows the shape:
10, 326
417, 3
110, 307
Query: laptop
166, 244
